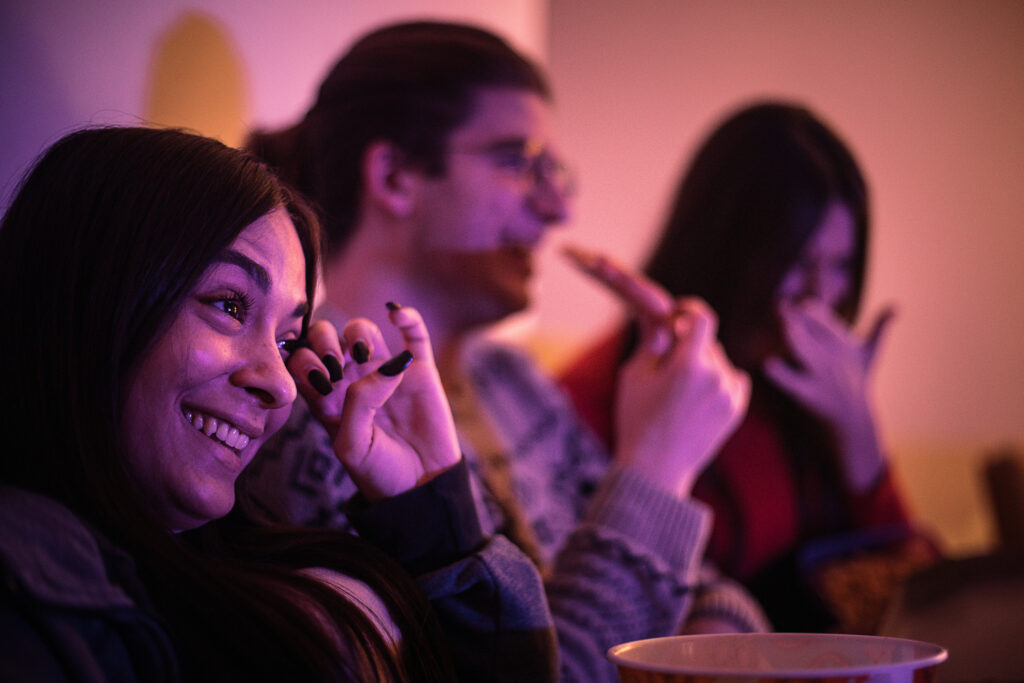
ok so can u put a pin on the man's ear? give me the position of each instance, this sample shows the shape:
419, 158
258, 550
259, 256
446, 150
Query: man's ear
390, 183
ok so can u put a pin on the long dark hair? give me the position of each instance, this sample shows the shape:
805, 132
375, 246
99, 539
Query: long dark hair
752, 197
106, 236
410, 84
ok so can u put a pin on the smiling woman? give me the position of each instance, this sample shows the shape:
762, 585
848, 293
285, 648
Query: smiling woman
190, 434
157, 288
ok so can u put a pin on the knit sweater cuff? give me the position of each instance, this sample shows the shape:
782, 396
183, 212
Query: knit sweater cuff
725, 599
676, 530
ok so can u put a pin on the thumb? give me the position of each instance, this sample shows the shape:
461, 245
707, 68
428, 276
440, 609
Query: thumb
877, 333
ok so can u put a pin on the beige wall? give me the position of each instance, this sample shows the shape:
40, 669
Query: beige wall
218, 66
929, 92
931, 96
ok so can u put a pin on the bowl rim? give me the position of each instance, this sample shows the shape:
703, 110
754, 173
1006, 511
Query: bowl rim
938, 654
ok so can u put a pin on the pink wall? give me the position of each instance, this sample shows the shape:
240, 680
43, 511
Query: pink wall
930, 94
69, 63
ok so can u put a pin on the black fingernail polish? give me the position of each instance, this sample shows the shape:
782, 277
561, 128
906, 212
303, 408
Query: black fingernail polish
392, 306
293, 345
360, 352
392, 367
333, 366
320, 382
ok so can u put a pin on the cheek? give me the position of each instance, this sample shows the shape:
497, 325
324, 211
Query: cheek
275, 420
837, 287
791, 287
200, 361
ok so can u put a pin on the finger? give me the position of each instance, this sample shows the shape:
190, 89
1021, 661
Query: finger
312, 379
365, 343
789, 380
322, 338
819, 320
879, 330
414, 331
643, 295
737, 382
304, 364
795, 329
741, 391
694, 326
656, 338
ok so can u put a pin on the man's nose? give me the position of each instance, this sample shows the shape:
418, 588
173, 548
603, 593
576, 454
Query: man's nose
550, 201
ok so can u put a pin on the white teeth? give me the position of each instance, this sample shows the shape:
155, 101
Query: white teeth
220, 430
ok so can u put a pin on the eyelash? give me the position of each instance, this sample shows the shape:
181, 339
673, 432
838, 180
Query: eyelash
242, 300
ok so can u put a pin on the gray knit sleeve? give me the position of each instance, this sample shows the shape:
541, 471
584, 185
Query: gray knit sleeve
626, 573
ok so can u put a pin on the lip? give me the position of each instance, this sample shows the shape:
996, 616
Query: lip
520, 256
247, 430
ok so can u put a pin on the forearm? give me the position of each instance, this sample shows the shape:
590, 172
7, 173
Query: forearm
859, 448
486, 593
625, 574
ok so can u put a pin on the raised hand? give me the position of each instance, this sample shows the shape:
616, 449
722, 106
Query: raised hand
675, 408
678, 396
648, 300
388, 417
831, 379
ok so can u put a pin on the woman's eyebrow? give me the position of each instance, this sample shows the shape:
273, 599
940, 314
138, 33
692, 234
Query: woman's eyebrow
257, 273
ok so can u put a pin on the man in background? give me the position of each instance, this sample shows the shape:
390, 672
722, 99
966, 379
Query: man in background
430, 155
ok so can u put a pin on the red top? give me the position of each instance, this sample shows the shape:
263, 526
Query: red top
766, 506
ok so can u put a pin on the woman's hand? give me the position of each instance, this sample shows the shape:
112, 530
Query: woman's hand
832, 381
387, 415
678, 397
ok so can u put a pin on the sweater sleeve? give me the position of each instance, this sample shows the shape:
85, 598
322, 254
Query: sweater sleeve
722, 598
626, 573
487, 594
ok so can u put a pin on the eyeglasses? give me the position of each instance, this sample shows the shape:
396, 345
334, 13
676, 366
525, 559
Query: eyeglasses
528, 161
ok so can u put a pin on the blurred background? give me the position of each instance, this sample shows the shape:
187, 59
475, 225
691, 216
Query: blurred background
929, 93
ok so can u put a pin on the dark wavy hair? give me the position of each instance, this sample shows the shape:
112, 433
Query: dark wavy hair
752, 197
105, 238
410, 84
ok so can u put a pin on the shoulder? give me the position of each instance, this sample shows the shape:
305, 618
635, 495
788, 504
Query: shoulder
484, 356
49, 553
505, 376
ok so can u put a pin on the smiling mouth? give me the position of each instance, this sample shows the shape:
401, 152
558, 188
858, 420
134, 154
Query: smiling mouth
221, 431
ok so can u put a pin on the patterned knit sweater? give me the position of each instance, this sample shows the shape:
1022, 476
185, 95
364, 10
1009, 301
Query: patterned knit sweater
622, 560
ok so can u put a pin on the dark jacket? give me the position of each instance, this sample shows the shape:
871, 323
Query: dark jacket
71, 607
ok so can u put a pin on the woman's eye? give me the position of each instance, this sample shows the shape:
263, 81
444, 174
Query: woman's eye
231, 308
236, 305
290, 346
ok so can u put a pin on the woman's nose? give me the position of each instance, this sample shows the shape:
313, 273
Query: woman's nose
263, 374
